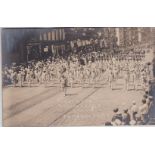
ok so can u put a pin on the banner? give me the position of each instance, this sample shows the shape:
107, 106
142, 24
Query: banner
46, 49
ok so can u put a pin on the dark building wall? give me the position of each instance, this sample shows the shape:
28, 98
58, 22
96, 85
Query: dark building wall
14, 41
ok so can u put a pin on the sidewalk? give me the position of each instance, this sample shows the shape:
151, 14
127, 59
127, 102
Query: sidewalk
152, 110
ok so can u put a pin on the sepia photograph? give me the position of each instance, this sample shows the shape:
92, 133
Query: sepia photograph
78, 76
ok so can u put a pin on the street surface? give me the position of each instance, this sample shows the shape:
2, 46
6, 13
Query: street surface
47, 106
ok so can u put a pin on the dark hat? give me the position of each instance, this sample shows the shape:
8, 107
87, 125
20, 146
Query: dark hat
146, 92
116, 110
125, 110
145, 96
143, 101
148, 63
108, 124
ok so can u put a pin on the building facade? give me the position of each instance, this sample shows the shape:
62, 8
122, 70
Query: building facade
21, 45
133, 36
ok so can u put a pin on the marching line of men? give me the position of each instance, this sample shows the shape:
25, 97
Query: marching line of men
90, 68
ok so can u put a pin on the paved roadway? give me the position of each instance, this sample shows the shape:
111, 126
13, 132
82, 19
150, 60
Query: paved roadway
40, 106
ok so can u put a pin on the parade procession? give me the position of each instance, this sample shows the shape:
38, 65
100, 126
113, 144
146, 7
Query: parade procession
78, 76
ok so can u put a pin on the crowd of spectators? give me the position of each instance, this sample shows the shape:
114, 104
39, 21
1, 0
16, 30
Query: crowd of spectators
137, 114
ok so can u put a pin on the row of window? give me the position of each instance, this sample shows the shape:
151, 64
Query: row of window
53, 35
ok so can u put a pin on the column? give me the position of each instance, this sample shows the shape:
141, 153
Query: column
118, 36
49, 36
139, 35
60, 38
57, 34
40, 37
63, 34
53, 35
45, 36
